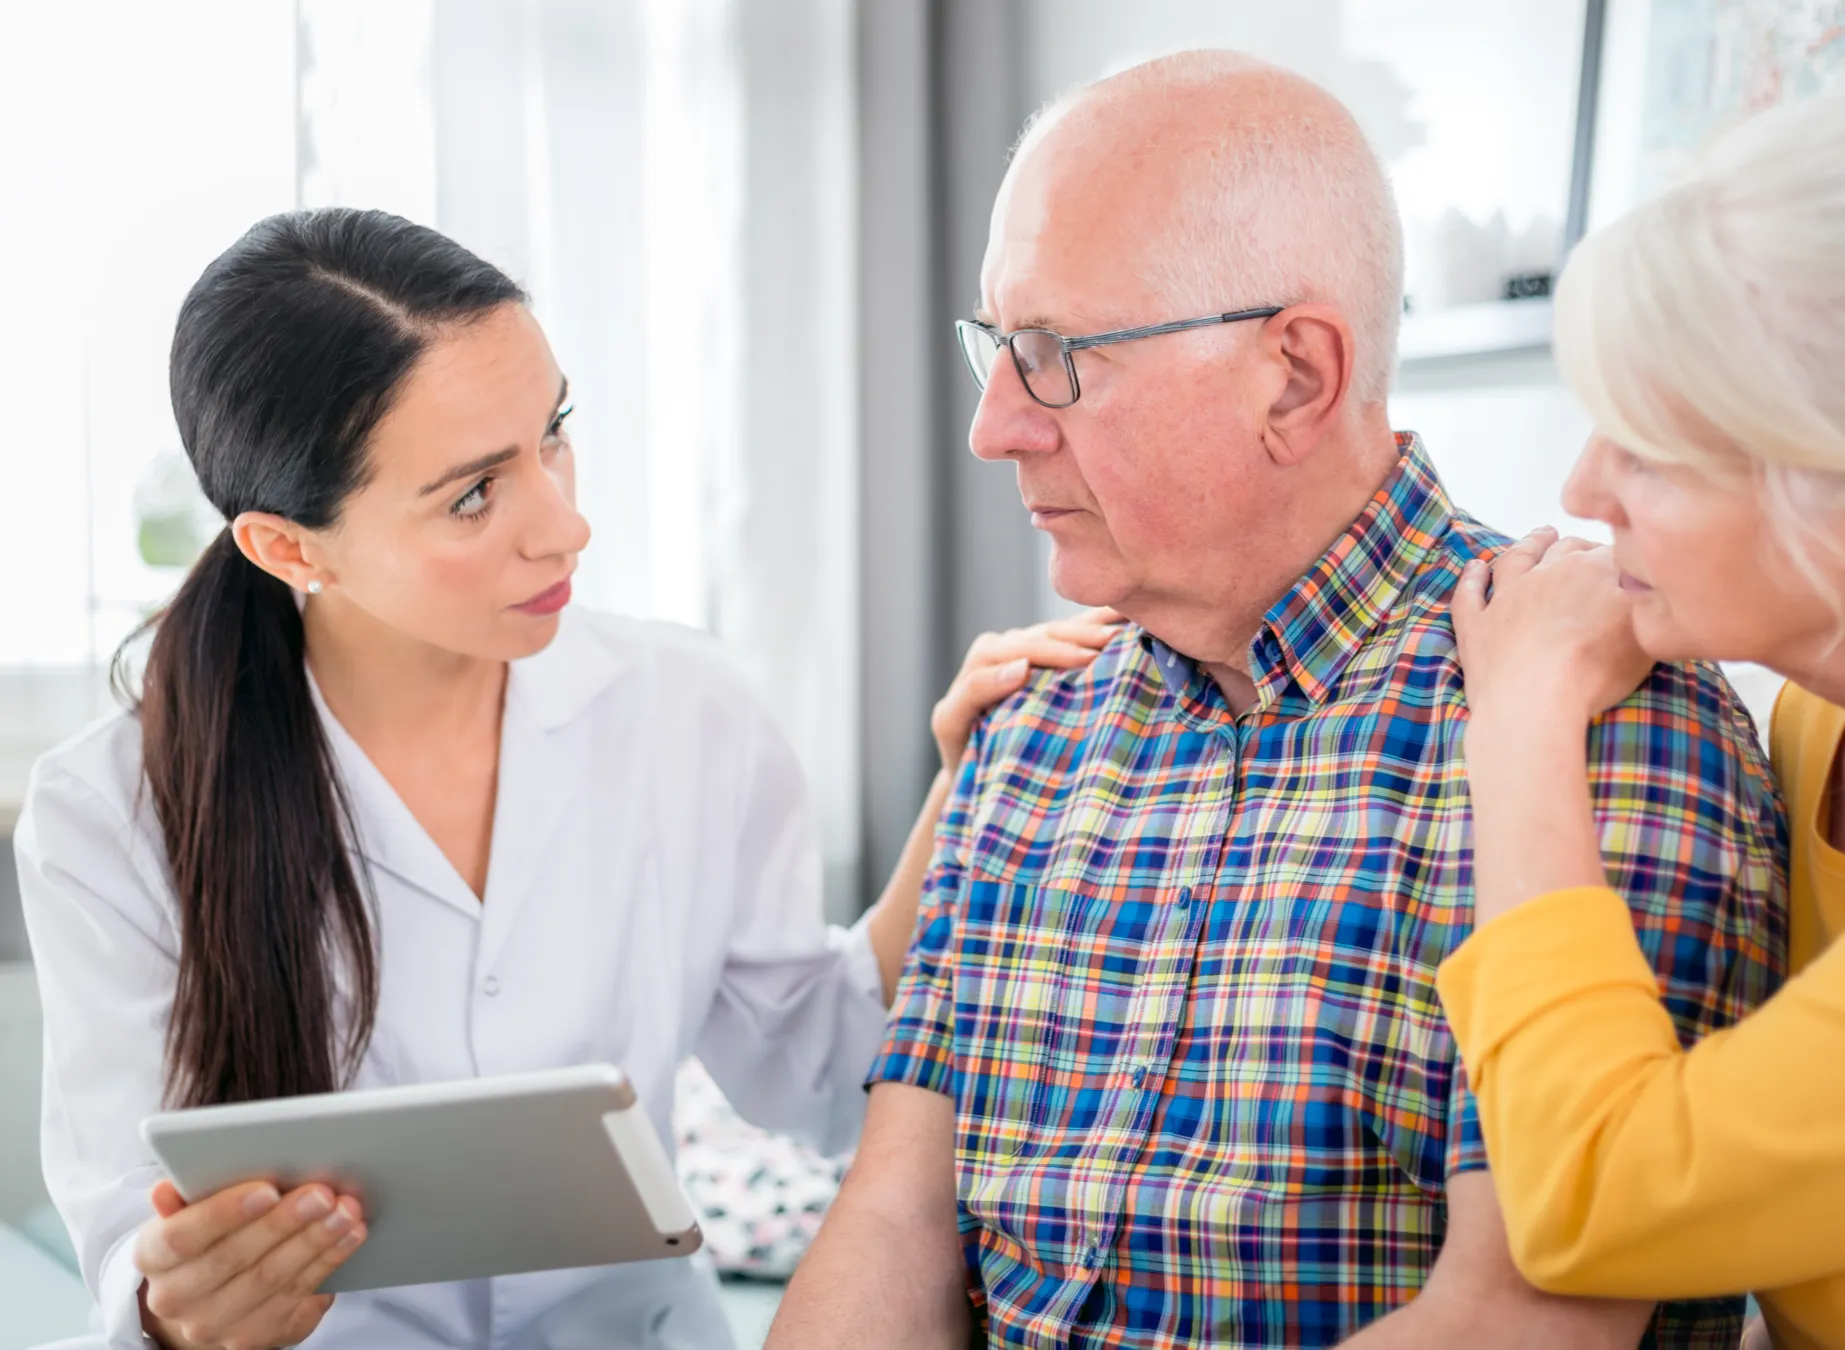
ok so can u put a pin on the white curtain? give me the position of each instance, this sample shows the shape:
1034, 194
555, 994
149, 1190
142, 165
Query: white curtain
673, 182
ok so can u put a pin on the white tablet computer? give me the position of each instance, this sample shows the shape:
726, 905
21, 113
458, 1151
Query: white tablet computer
487, 1176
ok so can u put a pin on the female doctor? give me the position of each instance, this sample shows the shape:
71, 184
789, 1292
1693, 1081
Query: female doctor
387, 813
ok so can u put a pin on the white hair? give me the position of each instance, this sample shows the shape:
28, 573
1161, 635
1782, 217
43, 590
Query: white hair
1710, 322
1292, 205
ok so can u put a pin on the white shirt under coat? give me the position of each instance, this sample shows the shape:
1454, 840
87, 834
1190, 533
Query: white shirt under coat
653, 892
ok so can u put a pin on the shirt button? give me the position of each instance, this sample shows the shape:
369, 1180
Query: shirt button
1139, 1075
490, 986
1185, 896
1092, 1256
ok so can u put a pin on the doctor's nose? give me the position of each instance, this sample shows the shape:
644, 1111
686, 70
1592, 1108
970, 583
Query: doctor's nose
556, 527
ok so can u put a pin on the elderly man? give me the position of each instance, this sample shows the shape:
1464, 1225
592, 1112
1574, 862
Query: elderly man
1167, 1067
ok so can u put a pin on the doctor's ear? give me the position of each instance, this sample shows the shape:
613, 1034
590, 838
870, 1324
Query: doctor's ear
283, 549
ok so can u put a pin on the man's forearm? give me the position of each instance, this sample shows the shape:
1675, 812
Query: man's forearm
1475, 1299
1418, 1325
871, 1283
1424, 1325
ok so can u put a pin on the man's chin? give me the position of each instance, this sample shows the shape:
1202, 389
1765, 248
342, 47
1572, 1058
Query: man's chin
1087, 581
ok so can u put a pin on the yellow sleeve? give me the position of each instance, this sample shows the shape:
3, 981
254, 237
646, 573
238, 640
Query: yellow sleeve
1627, 1167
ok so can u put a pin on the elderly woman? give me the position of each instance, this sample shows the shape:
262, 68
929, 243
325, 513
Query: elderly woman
1706, 334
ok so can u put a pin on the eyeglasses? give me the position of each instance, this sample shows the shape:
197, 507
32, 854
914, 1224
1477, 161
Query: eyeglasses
1044, 359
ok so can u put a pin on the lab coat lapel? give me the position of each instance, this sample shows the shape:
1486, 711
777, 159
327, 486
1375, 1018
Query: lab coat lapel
542, 766
391, 839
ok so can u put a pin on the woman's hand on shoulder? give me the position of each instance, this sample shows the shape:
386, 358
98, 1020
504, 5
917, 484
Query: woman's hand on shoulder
998, 664
239, 1269
1556, 635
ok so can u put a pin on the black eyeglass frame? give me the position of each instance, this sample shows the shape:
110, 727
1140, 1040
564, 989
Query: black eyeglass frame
1071, 345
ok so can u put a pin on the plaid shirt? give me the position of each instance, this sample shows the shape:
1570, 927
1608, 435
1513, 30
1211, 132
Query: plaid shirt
1177, 967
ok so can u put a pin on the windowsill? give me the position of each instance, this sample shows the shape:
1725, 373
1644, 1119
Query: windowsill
1465, 331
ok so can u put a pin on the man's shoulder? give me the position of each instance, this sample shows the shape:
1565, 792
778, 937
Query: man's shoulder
1688, 727
1686, 718
1057, 709
1461, 540
1411, 645
1685, 728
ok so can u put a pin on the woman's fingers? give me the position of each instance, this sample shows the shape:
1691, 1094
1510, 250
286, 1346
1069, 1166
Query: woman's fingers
1094, 635
1055, 653
1050, 640
1007, 677
998, 664
1570, 546
1470, 592
188, 1233
1103, 619
239, 1251
166, 1199
1526, 554
976, 691
292, 1271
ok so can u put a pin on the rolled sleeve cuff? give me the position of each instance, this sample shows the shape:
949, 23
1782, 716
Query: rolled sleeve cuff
913, 1064
118, 1295
1548, 951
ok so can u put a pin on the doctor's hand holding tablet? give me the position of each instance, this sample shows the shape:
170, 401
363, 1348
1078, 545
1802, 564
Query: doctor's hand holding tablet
479, 1178
244, 1263
340, 926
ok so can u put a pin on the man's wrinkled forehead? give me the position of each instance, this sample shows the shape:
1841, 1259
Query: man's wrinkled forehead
1067, 241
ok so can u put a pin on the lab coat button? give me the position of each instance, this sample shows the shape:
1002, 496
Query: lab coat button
490, 986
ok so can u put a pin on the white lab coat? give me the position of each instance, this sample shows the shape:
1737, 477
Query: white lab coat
653, 892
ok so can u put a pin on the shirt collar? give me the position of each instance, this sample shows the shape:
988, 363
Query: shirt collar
556, 684
538, 770
1312, 632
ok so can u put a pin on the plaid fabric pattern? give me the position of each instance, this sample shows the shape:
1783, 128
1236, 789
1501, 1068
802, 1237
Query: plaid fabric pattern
1177, 967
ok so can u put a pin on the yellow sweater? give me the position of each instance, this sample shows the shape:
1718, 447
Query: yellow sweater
1630, 1168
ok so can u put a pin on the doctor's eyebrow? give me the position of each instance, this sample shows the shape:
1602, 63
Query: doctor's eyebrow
494, 459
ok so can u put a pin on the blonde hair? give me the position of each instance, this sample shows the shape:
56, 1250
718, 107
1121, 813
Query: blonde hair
1710, 322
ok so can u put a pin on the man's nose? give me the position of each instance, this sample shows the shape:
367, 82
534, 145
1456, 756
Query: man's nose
1009, 422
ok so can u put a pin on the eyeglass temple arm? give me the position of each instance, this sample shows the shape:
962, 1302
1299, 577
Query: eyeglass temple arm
1179, 326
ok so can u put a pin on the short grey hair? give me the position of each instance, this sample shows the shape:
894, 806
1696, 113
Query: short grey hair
1293, 205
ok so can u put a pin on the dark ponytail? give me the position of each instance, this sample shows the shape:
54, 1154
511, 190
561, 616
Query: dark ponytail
287, 353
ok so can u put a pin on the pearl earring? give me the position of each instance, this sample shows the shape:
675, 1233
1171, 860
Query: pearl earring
314, 587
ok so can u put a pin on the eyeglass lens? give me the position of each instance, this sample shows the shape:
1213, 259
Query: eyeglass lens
1037, 353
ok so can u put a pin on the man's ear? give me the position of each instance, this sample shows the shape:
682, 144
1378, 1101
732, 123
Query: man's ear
1312, 346
280, 547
